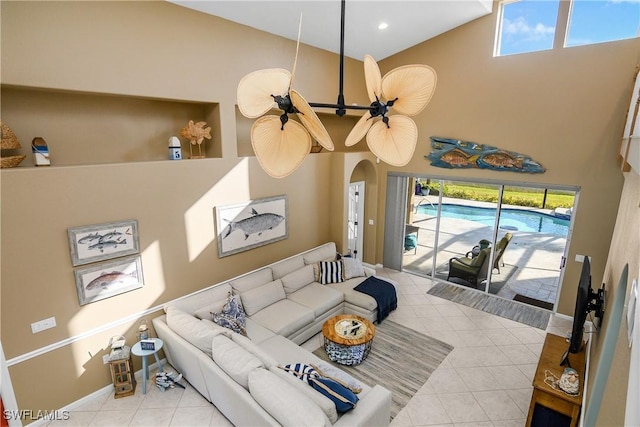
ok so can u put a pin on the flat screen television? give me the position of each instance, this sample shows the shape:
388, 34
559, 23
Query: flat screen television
586, 301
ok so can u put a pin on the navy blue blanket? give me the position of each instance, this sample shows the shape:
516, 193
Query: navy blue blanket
383, 292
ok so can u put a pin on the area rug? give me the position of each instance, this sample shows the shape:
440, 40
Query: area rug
516, 311
401, 360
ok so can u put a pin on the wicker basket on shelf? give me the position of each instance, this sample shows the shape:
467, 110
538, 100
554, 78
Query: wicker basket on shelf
9, 142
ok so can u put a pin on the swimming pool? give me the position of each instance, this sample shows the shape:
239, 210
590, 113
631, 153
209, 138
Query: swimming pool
510, 219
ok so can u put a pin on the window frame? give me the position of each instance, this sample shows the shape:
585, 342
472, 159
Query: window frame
561, 34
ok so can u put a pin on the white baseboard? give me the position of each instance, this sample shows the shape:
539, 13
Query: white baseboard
106, 390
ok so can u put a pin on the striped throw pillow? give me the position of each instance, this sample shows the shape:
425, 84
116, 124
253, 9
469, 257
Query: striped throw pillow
301, 371
330, 272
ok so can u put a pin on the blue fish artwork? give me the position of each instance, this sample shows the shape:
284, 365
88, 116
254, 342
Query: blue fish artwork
456, 154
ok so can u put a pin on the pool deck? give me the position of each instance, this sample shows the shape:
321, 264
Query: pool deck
532, 259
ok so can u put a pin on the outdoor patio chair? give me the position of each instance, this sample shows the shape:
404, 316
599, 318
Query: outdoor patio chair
472, 270
500, 248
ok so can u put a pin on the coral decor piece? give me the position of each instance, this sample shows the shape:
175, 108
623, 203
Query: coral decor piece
196, 133
456, 154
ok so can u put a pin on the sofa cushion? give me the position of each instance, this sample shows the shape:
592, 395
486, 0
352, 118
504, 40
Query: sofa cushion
256, 332
254, 349
284, 317
330, 272
298, 279
326, 252
232, 315
355, 297
326, 404
283, 401
352, 268
318, 298
198, 332
236, 361
214, 299
210, 299
286, 351
252, 280
326, 369
286, 266
262, 296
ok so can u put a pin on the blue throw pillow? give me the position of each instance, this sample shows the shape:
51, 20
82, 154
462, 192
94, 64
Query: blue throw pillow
342, 397
232, 315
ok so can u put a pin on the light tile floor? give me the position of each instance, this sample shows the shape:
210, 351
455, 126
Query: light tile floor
485, 380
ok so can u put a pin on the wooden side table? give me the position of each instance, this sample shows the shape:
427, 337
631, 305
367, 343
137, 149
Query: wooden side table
348, 338
555, 399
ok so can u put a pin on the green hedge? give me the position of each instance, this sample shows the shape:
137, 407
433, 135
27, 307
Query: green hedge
510, 197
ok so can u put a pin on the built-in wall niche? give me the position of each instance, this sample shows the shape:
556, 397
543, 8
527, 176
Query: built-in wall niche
338, 128
87, 128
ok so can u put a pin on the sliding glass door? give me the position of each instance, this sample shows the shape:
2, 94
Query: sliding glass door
504, 240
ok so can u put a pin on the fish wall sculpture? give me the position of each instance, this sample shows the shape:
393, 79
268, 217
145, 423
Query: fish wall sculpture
456, 154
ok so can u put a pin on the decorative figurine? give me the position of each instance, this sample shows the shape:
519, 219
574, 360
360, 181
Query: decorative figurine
40, 151
175, 150
196, 133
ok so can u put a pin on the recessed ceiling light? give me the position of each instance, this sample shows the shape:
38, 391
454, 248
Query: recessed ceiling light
383, 26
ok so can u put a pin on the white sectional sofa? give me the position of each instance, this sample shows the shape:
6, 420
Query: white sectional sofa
285, 306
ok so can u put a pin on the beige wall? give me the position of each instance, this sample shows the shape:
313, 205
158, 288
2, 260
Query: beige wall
564, 108
154, 52
625, 249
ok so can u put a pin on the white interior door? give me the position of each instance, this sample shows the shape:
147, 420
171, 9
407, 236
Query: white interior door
355, 219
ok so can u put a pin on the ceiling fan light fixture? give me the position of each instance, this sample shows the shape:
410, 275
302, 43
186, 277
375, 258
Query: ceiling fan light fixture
394, 143
280, 150
281, 144
255, 91
311, 121
412, 85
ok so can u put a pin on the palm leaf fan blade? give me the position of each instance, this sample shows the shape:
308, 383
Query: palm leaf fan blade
310, 120
413, 85
255, 90
279, 151
359, 130
393, 144
372, 78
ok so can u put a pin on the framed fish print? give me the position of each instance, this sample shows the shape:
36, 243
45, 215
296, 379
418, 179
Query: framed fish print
245, 226
108, 279
100, 242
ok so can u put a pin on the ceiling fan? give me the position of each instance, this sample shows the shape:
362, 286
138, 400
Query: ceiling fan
281, 145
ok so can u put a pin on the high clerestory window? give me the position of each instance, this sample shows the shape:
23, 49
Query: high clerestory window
534, 25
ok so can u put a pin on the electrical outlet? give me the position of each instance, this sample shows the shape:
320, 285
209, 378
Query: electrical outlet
43, 324
370, 222
105, 359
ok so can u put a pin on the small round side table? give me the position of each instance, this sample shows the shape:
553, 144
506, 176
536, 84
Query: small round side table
348, 338
138, 351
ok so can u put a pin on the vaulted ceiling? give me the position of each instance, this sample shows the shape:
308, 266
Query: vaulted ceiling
408, 22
